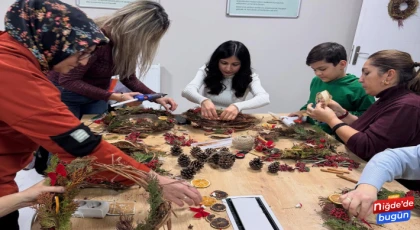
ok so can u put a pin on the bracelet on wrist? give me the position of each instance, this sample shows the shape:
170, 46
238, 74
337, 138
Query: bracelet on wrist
334, 129
344, 115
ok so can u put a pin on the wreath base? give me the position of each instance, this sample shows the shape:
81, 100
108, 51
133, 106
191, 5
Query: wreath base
399, 15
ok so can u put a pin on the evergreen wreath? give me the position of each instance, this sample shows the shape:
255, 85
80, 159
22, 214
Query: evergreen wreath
400, 15
53, 211
142, 121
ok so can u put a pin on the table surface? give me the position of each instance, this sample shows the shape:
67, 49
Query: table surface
282, 191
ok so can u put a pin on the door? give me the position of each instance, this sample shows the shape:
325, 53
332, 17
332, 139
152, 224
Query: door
376, 31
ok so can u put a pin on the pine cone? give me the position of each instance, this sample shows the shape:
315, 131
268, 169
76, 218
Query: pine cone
176, 150
256, 163
274, 167
187, 173
196, 165
224, 149
195, 150
226, 160
184, 160
213, 160
210, 151
202, 156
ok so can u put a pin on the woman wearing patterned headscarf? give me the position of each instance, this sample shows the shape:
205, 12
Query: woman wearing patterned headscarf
42, 35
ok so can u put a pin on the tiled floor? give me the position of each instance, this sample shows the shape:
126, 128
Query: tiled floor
24, 180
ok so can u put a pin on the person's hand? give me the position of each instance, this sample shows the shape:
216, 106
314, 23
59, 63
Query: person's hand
298, 114
359, 202
120, 97
31, 194
208, 110
179, 192
338, 110
229, 113
168, 103
320, 113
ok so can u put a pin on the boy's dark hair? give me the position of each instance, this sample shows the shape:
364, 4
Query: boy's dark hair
329, 52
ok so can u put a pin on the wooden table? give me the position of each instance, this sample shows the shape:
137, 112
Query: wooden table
282, 191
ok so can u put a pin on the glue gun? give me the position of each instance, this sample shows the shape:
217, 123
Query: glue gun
141, 97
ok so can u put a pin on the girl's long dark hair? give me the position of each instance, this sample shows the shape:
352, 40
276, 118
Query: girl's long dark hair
241, 80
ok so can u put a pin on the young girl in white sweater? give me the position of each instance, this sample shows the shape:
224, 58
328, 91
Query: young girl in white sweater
227, 79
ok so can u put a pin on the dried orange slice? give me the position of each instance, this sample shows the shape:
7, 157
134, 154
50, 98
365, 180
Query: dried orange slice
324, 97
163, 118
200, 183
208, 201
335, 198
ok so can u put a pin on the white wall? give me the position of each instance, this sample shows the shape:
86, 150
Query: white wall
278, 46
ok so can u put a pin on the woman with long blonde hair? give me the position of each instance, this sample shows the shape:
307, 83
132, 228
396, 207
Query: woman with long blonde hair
135, 31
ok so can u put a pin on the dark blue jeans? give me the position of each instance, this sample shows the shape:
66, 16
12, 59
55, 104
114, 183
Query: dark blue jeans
80, 105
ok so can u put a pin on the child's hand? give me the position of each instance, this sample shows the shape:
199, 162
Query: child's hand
320, 113
298, 114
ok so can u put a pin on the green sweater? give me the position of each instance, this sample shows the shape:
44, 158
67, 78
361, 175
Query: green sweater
346, 91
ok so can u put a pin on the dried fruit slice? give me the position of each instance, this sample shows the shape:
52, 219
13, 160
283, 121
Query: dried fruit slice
163, 118
210, 217
220, 223
218, 207
324, 97
218, 194
200, 183
208, 201
335, 198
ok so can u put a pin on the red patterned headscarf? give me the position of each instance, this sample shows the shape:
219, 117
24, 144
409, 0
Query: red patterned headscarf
51, 30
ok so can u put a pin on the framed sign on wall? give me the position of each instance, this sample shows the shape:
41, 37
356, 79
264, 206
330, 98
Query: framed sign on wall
264, 8
104, 4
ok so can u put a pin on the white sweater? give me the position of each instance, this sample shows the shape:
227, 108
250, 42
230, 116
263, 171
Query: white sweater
227, 97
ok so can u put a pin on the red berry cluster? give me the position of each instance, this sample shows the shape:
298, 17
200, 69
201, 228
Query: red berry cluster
153, 164
271, 157
181, 140
262, 145
412, 193
285, 167
229, 131
197, 110
320, 144
335, 161
340, 213
301, 167
134, 137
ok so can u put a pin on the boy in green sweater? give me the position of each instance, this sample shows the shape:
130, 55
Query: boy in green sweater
329, 61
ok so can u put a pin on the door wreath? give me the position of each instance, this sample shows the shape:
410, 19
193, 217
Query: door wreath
400, 15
